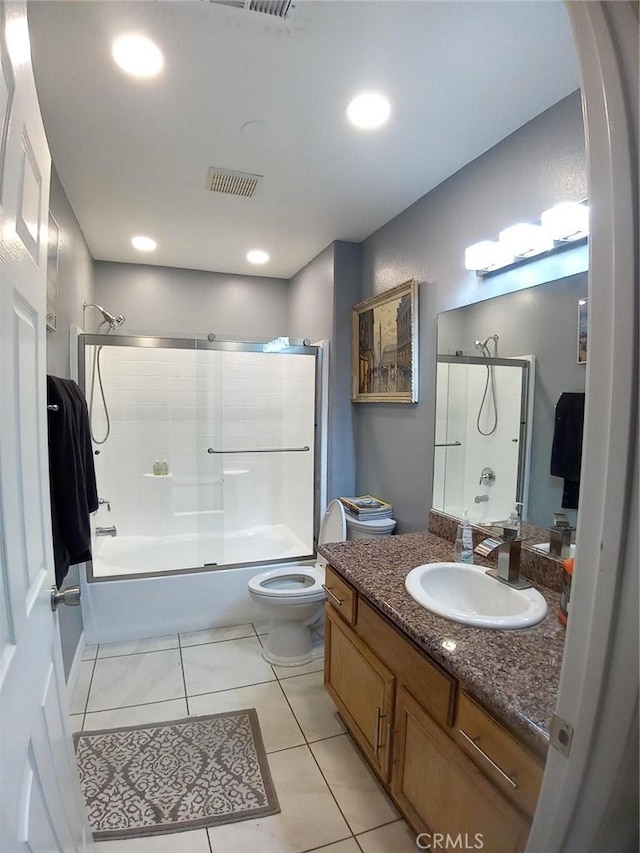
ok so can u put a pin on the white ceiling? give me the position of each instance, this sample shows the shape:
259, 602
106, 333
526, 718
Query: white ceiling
133, 155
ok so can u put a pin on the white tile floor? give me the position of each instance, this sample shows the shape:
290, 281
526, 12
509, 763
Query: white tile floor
330, 801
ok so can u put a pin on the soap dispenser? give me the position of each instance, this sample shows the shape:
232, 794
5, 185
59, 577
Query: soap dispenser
463, 548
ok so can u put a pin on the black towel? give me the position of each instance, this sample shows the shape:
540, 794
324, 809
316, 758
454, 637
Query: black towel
566, 452
72, 478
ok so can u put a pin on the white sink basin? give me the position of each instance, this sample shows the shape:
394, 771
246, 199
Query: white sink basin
544, 546
467, 594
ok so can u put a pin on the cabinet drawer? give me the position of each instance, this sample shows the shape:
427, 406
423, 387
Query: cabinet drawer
341, 595
505, 761
431, 686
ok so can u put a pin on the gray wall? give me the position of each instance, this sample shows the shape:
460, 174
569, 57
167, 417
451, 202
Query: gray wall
166, 301
539, 165
342, 447
320, 300
311, 299
542, 321
75, 285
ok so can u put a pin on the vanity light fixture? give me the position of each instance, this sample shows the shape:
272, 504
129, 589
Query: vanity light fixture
524, 240
143, 244
560, 227
486, 255
568, 220
369, 110
137, 55
257, 256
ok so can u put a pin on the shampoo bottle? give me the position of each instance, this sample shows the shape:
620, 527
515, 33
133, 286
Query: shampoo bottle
463, 548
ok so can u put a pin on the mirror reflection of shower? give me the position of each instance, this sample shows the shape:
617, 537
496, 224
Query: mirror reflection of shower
489, 387
112, 322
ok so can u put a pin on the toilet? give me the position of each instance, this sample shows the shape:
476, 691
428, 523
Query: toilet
292, 597
357, 529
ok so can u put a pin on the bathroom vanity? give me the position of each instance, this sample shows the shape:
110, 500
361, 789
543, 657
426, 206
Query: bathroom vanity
454, 720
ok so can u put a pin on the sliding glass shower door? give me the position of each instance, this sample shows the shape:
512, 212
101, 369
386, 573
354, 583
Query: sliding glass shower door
210, 455
256, 450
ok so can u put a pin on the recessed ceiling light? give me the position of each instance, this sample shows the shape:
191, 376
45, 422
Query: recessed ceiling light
143, 244
369, 110
257, 256
137, 55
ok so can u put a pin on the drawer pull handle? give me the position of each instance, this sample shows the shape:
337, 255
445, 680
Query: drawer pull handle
376, 744
338, 601
473, 742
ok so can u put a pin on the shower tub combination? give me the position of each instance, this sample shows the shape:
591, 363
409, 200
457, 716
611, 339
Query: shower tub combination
484, 407
207, 464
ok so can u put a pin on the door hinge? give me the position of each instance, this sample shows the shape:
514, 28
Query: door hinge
561, 733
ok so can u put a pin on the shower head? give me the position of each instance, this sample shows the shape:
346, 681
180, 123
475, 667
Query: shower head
483, 344
109, 318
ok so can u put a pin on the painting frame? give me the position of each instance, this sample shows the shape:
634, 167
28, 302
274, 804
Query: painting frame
384, 346
583, 330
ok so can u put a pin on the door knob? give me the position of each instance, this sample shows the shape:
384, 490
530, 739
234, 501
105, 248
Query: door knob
69, 596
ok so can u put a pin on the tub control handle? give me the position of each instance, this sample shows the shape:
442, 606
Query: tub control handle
338, 601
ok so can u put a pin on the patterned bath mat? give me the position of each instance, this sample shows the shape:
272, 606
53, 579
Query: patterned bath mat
174, 776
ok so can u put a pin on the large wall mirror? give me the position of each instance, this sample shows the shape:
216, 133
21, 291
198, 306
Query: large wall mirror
502, 366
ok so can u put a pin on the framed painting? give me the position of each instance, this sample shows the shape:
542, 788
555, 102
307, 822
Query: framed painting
384, 350
583, 318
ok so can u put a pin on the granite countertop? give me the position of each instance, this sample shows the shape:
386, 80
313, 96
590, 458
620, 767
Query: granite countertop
514, 674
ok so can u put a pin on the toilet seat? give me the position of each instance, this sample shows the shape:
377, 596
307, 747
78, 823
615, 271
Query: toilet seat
302, 583
289, 583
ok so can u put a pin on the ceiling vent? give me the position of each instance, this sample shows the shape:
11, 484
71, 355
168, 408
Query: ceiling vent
232, 183
274, 8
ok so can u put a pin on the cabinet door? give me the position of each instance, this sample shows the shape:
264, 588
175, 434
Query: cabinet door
362, 689
442, 791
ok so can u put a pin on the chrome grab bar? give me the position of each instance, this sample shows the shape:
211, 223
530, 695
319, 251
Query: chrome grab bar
449, 444
264, 450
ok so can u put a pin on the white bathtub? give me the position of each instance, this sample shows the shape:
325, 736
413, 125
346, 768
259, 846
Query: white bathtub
127, 606
134, 555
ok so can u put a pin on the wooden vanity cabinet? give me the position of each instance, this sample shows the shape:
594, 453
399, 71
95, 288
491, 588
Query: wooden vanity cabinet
362, 689
440, 790
447, 764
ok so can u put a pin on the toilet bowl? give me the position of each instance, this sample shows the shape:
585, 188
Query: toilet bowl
292, 598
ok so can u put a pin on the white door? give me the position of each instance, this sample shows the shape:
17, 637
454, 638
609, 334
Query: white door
41, 807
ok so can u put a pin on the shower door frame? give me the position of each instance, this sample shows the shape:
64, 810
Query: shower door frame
86, 339
525, 405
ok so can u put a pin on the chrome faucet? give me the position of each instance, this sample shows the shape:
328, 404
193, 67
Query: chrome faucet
106, 531
104, 502
509, 550
480, 499
560, 536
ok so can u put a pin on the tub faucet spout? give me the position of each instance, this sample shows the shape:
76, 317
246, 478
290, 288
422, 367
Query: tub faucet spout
106, 531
